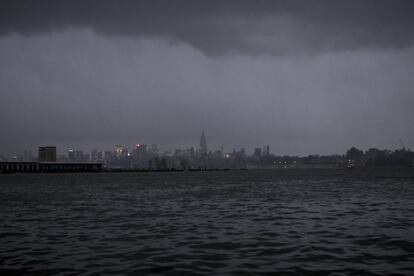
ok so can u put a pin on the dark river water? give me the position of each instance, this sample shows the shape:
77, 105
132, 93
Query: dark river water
235, 222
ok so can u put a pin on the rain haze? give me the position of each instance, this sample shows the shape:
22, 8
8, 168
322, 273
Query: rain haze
304, 77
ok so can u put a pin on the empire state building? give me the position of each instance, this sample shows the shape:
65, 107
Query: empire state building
203, 143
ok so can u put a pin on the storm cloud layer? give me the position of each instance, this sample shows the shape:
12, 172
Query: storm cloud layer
222, 27
303, 76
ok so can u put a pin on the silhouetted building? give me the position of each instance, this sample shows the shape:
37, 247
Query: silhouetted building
257, 152
71, 155
47, 154
77, 156
203, 144
140, 150
140, 156
354, 153
97, 156
119, 151
27, 156
154, 149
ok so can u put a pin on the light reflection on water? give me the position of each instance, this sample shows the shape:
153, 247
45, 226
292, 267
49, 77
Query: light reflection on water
253, 222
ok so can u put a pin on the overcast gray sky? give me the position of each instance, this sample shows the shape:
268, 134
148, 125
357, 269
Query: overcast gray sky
304, 77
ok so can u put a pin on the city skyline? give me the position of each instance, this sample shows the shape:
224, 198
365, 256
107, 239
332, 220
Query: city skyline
151, 158
201, 145
120, 151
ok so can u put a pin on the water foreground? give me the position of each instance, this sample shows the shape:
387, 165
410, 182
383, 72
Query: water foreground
237, 222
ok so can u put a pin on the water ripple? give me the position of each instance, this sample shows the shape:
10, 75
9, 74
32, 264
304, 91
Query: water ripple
323, 223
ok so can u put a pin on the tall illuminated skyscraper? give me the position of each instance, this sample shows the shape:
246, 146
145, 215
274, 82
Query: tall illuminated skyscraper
203, 143
119, 151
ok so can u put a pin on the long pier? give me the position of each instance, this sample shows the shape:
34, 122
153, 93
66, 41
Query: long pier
34, 167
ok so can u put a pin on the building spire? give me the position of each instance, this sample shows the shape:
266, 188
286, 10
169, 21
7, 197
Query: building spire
203, 143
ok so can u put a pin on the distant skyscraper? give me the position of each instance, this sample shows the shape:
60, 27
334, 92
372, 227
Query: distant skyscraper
119, 151
140, 152
257, 152
77, 156
203, 143
154, 149
96, 156
71, 155
47, 154
27, 156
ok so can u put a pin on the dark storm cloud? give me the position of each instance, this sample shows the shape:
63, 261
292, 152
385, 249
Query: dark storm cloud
303, 76
220, 27
77, 88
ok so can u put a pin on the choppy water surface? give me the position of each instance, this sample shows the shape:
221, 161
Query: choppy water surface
248, 222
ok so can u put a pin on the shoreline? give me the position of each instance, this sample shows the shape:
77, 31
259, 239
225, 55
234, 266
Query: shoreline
352, 171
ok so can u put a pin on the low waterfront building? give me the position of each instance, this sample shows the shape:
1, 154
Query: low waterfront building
47, 154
